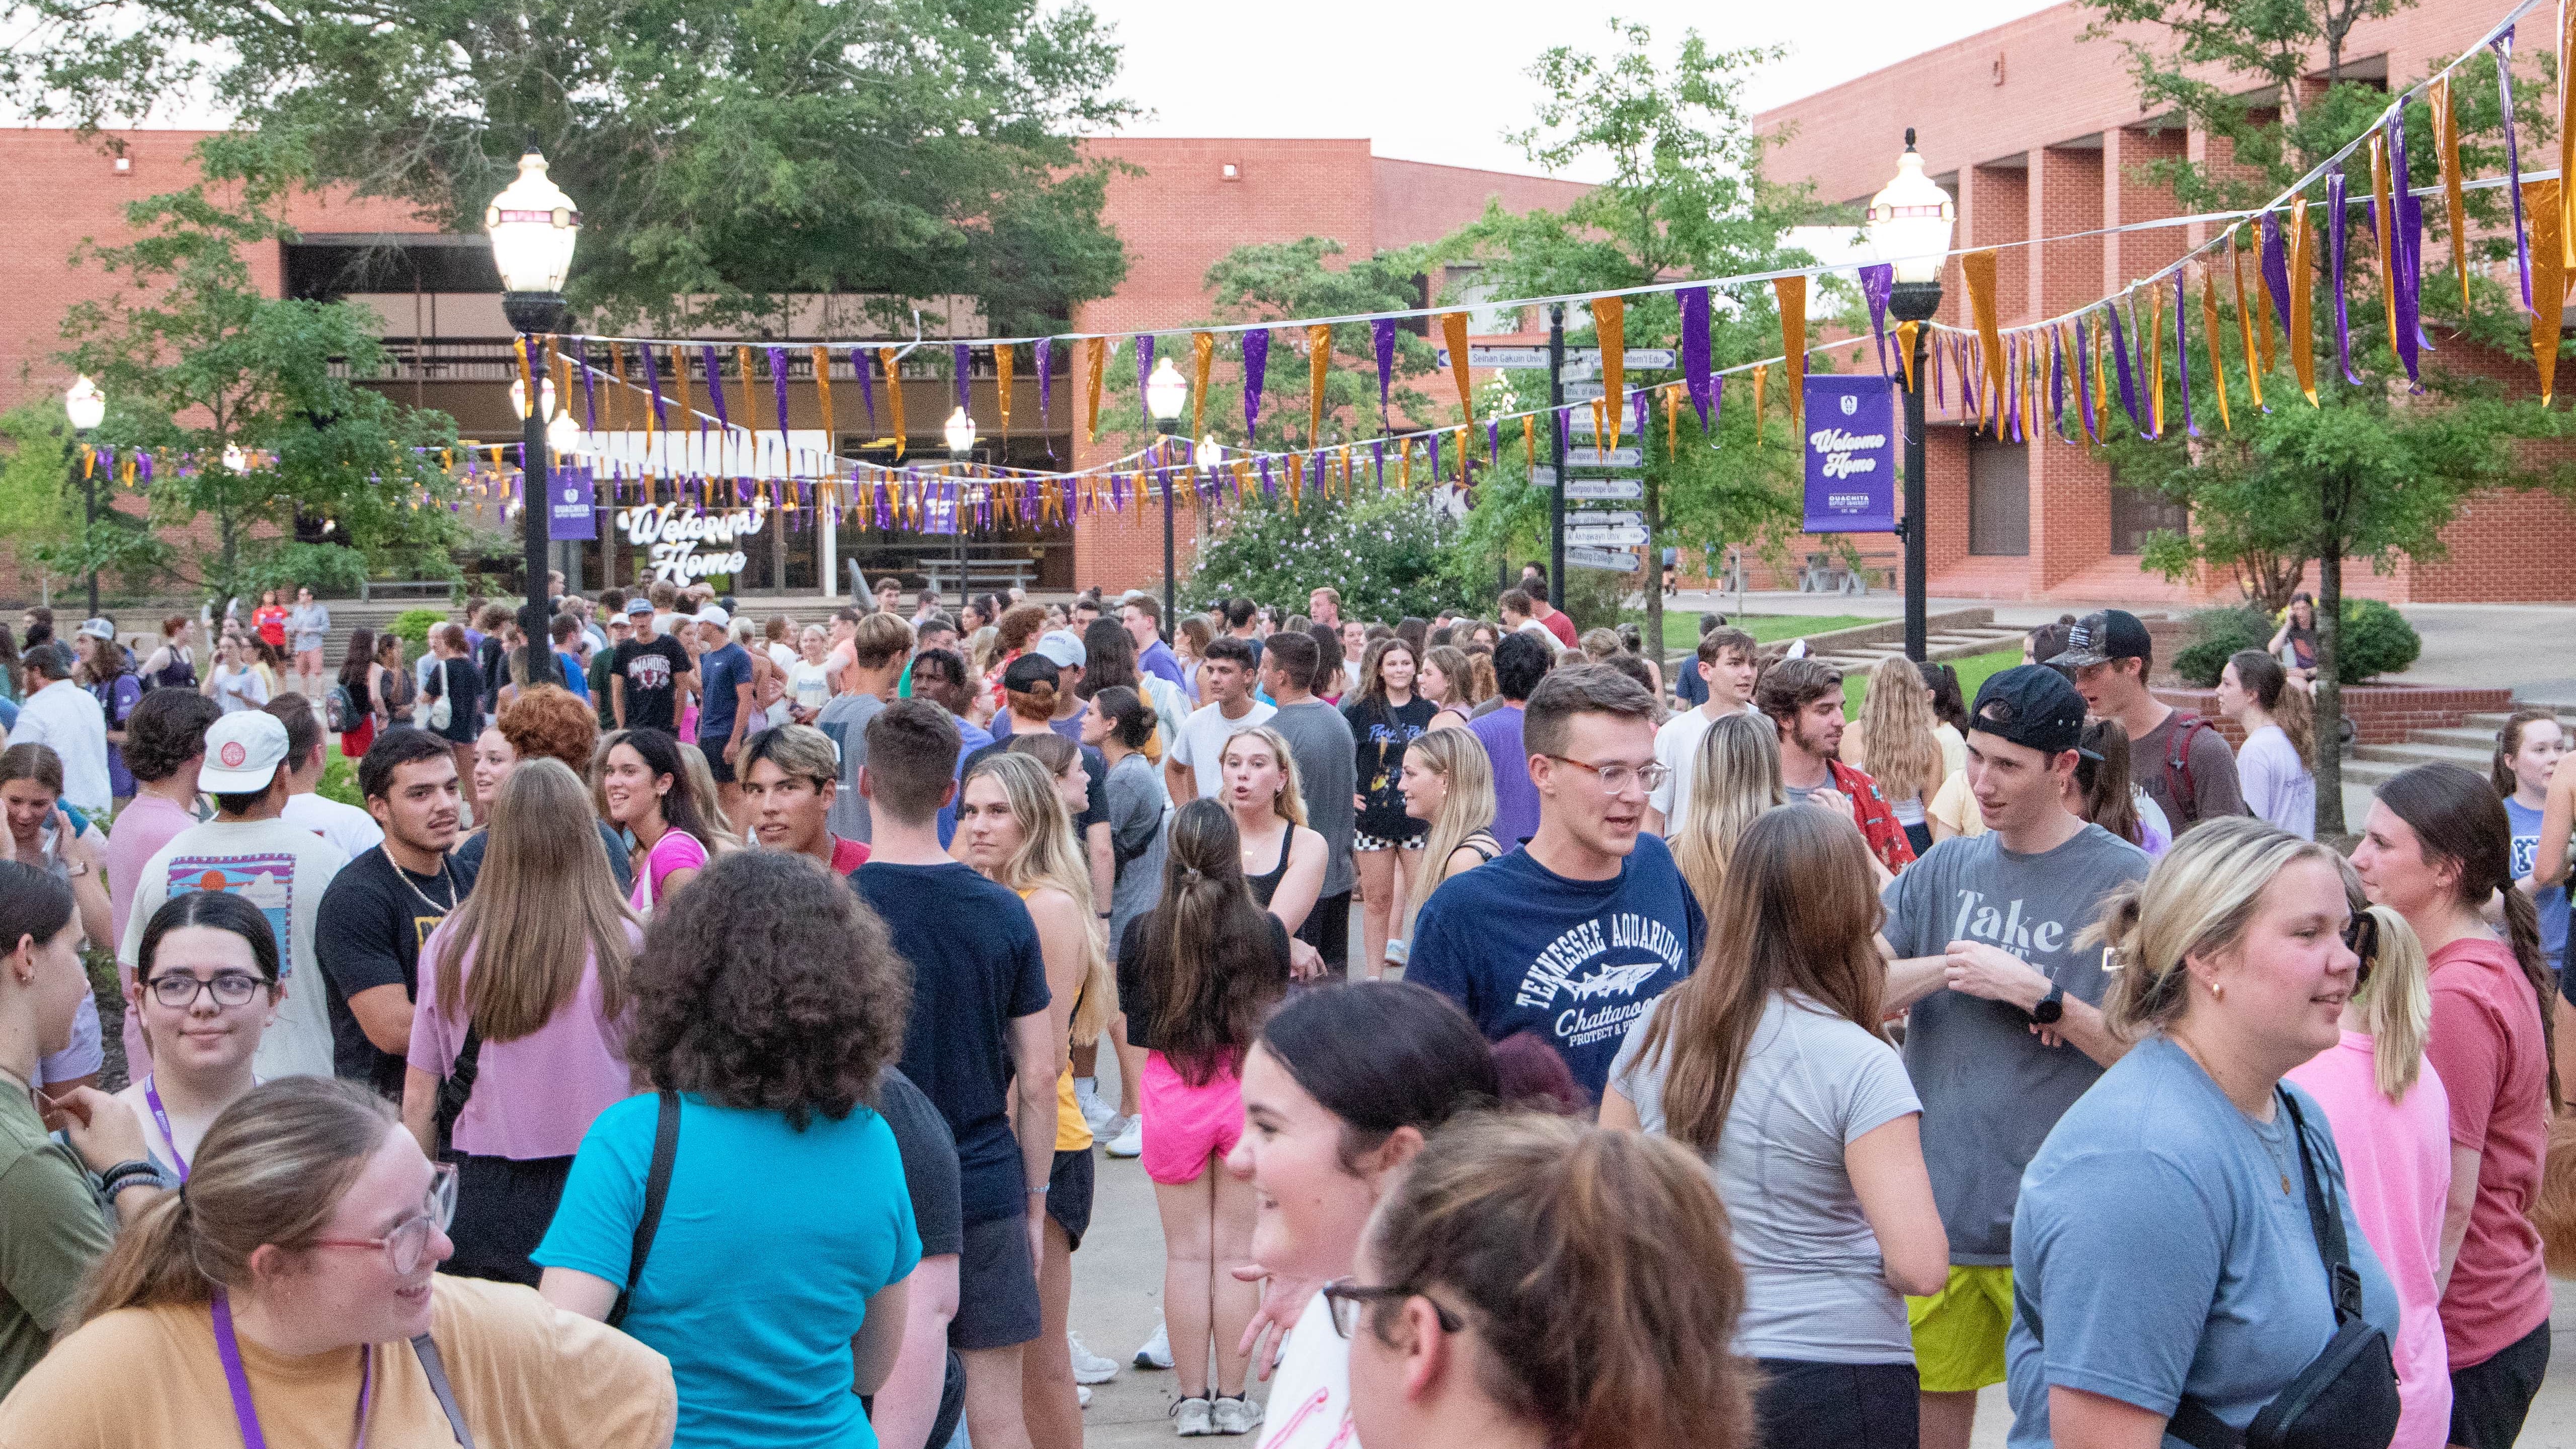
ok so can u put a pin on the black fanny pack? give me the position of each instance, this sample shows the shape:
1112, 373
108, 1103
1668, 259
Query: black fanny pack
2346, 1398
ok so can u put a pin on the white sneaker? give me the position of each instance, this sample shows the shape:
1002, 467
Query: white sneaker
1082, 1394
1089, 1367
1131, 1142
1096, 1112
1157, 1352
1192, 1418
1235, 1415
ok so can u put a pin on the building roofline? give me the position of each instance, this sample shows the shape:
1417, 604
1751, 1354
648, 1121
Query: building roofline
1982, 37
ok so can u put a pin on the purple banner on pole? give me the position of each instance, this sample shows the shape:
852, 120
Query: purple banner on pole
1851, 455
570, 511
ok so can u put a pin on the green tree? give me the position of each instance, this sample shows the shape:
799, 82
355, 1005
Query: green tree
726, 156
2383, 465
1685, 198
37, 511
196, 359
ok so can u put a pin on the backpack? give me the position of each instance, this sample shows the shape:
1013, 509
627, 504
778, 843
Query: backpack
442, 710
339, 710
2178, 784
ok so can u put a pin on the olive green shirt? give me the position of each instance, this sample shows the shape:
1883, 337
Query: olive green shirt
51, 1231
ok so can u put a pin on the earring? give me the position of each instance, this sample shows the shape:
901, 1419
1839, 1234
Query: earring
2218, 991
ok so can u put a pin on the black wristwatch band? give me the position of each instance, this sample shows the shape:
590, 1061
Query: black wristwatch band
2051, 1007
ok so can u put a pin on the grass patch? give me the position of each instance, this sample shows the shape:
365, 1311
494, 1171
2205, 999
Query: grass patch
1681, 630
1973, 671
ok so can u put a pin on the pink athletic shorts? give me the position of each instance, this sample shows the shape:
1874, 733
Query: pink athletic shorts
1186, 1125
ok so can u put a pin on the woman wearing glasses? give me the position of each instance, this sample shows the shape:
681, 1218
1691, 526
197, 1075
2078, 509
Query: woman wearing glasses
288, 1292
205, 989
1533, 1281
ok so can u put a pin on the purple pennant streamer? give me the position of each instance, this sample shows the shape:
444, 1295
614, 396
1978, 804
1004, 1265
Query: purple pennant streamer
2276, 267
867, 387
1256, 360
1269, 487
715, 387
1694, 358
2057, 382
2182, 357
653, 387
1961, 374
1877, 281
2120, 362
2138, 340
778, 385
2411, 212
589, 393
960, 369
2012, 387
1379, 449
1382, 334
1641, 416
1144, 365
2406, 274
1046, 386
1493, 443
2338, 231
2512, 159
1435, 457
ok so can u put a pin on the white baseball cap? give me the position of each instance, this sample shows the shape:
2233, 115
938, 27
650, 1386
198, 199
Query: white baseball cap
1064, 648
714, 614
243, 751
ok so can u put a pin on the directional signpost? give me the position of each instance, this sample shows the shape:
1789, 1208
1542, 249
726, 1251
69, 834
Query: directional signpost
1605, 490
1616, 560
1624, 535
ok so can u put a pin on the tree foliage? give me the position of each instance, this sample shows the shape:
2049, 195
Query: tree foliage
1382, 550
195, 359
725, 156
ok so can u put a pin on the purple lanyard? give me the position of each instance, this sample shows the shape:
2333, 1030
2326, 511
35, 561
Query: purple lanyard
238, 1381
161, 1119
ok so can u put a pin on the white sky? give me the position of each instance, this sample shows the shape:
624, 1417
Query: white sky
1441, 80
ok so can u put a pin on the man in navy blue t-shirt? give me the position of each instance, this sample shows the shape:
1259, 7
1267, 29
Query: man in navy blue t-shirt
1574, 935
977, 1036
725, 709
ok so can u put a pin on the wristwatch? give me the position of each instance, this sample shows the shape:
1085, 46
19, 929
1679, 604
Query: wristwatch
2051, 1007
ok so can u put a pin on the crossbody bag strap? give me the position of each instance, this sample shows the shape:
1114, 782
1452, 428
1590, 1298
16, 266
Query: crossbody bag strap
430, 1363
2325, 1220
458, 1087
657, 1190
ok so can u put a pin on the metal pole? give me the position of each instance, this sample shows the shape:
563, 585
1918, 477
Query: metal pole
957, 538
1171, 566
536, 497
1556, 444
1915, 302
89, 526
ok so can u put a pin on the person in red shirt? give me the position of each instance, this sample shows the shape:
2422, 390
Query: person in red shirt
269, 619
1550, 618
790, 774
2436, 848
1804, 698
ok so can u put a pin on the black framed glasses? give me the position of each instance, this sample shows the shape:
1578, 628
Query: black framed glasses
179, 990
1345, 1297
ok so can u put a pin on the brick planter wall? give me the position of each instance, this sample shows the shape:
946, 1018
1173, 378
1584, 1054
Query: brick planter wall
2384, 714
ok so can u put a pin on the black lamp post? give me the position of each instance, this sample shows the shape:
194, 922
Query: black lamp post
1164, 394
86, 406
533, 225
960, 434
1909, 225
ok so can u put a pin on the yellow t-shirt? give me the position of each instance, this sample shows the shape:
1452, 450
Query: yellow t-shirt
524, 1372
1956, 807
1072, 1133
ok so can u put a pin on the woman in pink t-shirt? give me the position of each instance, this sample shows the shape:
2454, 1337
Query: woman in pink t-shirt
642, 790
2435, 849
2391, 1123
533, 969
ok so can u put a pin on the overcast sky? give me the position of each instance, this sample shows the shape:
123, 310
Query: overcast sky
1441, 80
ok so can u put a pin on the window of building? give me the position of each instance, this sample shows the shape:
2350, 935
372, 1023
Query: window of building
2137, 512
1998, 498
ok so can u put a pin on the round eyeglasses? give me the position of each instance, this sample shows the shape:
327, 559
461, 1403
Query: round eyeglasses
179, 990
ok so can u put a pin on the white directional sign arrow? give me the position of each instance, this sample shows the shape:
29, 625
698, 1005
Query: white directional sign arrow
1610, 536
1615, 560
1608, 518
1605, 490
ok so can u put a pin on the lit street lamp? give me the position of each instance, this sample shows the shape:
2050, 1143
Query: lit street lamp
961, 446
1909, 227
86, 406
1164, 394
533, 226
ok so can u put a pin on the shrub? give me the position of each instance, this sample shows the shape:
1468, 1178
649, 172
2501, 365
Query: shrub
340, 780
2216, 634
412, 626
2376, 640
1381, 551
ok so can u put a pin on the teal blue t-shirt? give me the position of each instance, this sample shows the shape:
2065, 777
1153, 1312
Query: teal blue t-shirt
771, 1243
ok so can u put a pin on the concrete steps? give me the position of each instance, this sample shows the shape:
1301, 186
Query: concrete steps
1944, 644
2470, 745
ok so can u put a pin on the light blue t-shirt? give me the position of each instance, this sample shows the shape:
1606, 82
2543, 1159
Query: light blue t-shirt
771, 1243
2157, 1255
2552, 901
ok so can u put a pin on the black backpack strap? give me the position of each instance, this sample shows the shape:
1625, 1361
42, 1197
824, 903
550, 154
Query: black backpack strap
657, 1190
432, 1365
2325, 1220
2178, 782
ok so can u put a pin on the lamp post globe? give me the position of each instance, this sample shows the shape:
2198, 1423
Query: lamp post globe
1909, 227
533, 226
86, 407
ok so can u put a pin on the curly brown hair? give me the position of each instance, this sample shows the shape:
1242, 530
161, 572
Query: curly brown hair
777, 989
550, 722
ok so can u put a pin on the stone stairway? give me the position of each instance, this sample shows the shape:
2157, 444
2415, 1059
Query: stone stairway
2470, 745
1955, 634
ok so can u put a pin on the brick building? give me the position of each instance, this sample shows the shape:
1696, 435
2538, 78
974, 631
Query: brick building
2037, 132
1186, 204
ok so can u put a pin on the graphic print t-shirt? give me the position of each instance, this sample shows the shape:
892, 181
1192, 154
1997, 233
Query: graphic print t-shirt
1575, 961
374, 919
652, 669
282, 869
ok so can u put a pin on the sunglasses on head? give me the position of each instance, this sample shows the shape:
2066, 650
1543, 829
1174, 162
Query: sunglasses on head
2361, 937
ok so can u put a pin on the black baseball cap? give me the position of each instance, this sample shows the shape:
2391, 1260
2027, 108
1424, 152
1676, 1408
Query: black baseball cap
1028, 672
2103, 637
2032, 705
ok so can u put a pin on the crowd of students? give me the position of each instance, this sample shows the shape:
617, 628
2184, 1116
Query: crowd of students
1757, 1075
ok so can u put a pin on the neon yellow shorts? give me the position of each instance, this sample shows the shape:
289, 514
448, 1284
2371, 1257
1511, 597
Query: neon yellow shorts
1959, 1331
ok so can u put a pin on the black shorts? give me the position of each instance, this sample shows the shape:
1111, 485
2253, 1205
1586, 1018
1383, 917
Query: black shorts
2490, 1400
997, 1287
1836, 1405
502, 1208
1328, 930
717, 765
1069, 1194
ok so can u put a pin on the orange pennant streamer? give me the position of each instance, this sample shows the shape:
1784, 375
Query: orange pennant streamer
2383, 211
2217, 355
1006, 361
2303, 351
823, 396
2455, 201
1203, 354
1977, 269
2245, 326
680, 383
1319, 358
1453, 328
1905, 335
1761, 386
1792, 295
1610, 326
2548, 280
894, 398
2156, 361
1529, 444
1672, 420
1095, 361
2566, 142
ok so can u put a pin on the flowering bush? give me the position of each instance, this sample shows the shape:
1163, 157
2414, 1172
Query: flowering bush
1382, 552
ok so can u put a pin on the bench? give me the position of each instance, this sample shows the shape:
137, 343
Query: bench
993, 575
1832, 574
438, 590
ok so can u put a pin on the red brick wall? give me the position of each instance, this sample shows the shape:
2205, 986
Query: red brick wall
2382, 714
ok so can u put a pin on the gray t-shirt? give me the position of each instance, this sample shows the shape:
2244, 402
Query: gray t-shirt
1137, 805
845, 718
1990, 1089
1328, 769
2164, 1249
2215, 789
1815, 1284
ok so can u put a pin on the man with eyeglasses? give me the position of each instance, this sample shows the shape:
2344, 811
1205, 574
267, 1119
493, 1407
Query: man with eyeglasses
791, 774
1574, 935
2005, 1031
